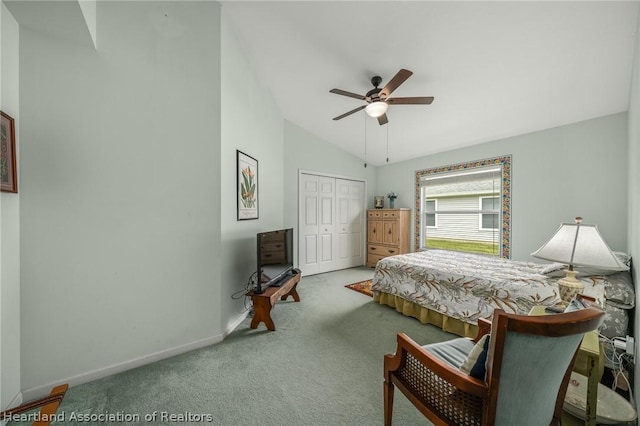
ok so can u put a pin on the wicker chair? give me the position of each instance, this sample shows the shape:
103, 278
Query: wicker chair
529, 362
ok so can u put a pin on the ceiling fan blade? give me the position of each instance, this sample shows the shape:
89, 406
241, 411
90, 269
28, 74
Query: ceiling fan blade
383, 119
350, 112
425, 100
396, 81
350, 94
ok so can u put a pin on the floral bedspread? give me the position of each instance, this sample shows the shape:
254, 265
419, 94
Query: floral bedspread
466, 286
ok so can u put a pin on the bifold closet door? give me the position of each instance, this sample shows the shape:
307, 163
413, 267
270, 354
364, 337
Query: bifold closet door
326, 230
349, 223
331, 223
308, 224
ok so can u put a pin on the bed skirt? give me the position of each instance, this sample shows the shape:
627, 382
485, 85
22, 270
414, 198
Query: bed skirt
426, 315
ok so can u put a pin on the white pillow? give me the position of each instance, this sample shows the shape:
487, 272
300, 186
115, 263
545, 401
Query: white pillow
552, 268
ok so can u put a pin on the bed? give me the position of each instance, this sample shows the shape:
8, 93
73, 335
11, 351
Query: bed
452, 290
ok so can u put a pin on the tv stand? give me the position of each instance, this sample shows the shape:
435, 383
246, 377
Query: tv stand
263, 302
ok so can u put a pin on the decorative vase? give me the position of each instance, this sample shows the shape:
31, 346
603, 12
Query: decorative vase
391, 202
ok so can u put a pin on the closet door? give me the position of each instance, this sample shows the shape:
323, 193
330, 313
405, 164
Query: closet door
331, 220
358, 223
349, 223
308, 224
327, 229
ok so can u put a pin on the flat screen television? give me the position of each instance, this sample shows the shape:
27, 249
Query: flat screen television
275, 257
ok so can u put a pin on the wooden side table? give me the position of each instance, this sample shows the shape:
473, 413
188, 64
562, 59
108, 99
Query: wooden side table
263, 302
590, 351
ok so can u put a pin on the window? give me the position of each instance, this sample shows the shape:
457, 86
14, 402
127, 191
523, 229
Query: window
430, 215
465, 207
489, 213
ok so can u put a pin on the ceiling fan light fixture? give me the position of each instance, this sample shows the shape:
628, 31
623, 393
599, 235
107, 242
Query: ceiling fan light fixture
376, 109
378, 100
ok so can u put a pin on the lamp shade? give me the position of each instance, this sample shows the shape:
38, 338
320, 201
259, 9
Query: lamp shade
376, 109
579, 245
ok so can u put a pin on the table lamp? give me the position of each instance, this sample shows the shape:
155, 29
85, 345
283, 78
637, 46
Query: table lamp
577, 244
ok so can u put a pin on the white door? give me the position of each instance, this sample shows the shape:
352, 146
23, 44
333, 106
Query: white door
343, 220
349, 223
326, 214
331, 223
357, 223
308, 224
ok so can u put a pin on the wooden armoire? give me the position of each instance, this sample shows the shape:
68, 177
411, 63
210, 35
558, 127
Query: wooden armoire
387, 233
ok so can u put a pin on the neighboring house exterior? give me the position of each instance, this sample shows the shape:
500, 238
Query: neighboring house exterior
463, 208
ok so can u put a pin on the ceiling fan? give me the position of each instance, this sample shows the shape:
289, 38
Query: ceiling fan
378, 100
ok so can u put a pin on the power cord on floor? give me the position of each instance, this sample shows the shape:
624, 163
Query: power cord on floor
619, 362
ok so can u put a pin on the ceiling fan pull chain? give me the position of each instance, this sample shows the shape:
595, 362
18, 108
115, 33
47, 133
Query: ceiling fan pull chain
365, 140
387, 143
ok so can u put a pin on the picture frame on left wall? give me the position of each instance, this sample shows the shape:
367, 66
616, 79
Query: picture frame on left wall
247, 179
8, 170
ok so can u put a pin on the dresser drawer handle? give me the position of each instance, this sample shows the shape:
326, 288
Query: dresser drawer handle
389, 231
372, 248
392, 251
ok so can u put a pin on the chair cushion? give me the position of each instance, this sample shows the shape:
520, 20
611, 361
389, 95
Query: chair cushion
475, 364
453, 352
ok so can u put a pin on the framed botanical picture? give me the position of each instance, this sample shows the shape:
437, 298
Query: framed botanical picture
247, 175
8, 172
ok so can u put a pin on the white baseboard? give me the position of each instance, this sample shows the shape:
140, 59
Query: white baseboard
17, 400
234, 324
42, 391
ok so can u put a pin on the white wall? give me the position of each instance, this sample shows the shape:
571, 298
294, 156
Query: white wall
120, 191
129, 188
304, 151
9, 222
557, 174
88, 8
251, 123
634, 191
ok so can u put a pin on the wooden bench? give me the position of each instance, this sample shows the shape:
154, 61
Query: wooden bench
263, 302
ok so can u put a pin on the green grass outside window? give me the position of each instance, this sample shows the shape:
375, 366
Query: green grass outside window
464, 245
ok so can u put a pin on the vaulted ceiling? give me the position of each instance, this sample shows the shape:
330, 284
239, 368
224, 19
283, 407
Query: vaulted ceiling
496, 69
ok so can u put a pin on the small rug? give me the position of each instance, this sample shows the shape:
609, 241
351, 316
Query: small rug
363, 287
